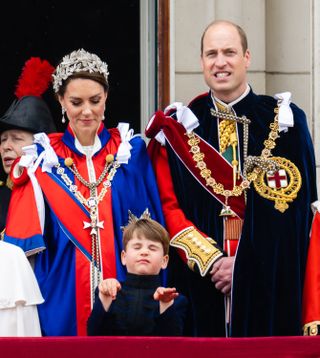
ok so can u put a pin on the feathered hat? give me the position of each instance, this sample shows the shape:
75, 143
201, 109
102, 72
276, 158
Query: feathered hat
29, 112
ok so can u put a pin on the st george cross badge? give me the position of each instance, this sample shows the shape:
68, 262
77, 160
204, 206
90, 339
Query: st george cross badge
277, 179
281, 186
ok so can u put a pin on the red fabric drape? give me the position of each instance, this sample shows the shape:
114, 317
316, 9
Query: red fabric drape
311, 292
160, 347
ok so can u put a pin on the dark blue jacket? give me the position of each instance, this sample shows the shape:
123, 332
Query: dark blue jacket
135, 312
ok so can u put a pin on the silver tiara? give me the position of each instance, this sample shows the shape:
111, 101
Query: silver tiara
78, 61
145, 215
133, 219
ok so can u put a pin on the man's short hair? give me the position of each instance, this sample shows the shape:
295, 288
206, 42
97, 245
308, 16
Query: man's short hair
241, 32
150, 229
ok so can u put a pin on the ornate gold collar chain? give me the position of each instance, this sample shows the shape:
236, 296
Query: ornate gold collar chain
254, 168
218, 188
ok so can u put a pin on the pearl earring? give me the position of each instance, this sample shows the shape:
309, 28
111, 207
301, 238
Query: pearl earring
63, 120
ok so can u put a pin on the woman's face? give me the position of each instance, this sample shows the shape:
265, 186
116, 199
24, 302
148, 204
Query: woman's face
84, 102
11, 143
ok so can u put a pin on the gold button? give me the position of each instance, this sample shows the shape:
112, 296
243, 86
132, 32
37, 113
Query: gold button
109, 158
68, 162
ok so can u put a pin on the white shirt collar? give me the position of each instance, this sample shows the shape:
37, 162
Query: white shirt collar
229, 105
88, 150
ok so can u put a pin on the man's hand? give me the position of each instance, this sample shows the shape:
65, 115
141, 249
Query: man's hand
221, 274
108, 290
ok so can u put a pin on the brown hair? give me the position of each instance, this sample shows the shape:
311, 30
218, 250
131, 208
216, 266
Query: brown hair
241, 32
94, 76
150, 229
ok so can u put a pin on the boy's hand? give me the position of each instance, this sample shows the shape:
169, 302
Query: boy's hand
108, 290
165, 295
110, 287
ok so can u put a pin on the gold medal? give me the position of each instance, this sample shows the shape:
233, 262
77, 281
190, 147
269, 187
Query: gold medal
280, 188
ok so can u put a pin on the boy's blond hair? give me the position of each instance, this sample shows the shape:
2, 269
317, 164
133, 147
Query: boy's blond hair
150, 229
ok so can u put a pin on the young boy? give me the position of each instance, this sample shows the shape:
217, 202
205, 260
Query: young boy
139, 306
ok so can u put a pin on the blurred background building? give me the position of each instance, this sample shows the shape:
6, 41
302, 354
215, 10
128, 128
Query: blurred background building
284, 40
153, 49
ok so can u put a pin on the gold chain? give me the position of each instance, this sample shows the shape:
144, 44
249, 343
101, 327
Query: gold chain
237, 190
205, 173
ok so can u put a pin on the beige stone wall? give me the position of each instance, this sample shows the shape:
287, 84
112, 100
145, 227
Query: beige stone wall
288, 55
284, 40
190, 19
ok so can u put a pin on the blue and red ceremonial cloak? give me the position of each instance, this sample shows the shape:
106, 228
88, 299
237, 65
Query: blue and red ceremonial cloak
62, 265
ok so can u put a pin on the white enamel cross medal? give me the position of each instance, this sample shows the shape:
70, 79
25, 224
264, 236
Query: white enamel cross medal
94, 224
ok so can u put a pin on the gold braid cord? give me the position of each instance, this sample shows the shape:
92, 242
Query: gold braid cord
311, 329
199, 249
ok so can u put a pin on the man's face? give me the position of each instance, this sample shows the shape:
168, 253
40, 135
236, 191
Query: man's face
11, 144
224, 64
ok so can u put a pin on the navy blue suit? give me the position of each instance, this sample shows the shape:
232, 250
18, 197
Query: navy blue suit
135, 312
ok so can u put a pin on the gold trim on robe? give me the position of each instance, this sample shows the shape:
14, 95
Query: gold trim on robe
199, 250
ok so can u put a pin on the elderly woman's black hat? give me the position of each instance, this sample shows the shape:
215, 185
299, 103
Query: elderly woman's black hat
29, 111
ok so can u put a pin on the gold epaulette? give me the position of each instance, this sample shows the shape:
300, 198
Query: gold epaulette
311, 329
200, 250
2, 234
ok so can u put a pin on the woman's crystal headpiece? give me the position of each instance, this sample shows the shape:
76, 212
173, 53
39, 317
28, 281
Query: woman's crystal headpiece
78, 61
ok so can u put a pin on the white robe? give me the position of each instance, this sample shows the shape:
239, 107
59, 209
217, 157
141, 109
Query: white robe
19, 294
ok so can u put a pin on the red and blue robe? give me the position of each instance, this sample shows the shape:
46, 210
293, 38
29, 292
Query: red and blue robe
62, 265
